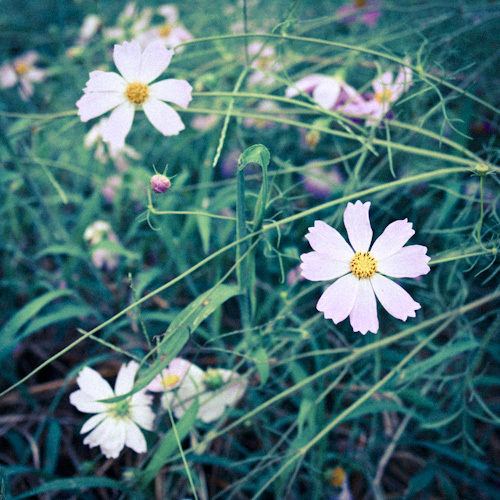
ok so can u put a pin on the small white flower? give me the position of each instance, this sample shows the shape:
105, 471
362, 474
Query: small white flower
115, 425
22, 72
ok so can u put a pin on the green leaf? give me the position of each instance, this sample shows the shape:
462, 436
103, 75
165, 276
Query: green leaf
258, 153
261, 361
169, 444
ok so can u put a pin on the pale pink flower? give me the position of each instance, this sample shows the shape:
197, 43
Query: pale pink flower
90, 26
124, 93
387, 90
330, 92
265, 64
22, 72
131, 23
362, 270
321, 181
103, 258
365, 11
115, 425
171, 33
214, 389
109, 190
171, 377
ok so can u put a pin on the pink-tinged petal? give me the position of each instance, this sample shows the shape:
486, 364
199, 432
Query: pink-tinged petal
382, 82
327, 93
395, 235
105, 81
134, 439
363, 316
396, 301
92, 422
125, 378
96, 103
35, 75
118, 125
306, 84
409, 262
163, 117
127, 59
404, 77
8, 76
26, 89
172, 90
93, 384
357, 224
327, 240
29, 58
86, 403
169, 12
155, 59
338, 299
321, 267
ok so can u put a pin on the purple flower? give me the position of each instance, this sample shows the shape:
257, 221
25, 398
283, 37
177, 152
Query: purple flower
362, 270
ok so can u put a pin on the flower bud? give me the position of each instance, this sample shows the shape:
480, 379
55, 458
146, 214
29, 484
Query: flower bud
160, 183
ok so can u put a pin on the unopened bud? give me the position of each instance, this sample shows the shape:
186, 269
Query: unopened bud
481, 169
160, 183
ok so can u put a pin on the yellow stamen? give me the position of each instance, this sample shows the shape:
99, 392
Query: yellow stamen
21, 68
363, 265
137, 92
170, 380
384, 96
165, 30
337, 477
360, 3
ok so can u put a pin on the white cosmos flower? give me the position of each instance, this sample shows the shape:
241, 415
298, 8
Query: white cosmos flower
132, 89
115, 425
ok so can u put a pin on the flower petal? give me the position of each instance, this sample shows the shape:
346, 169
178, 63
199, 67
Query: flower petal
163, 117
326, 94
134, 438
396, 301
395, 235
93, 384
86, 403
143, 416
92, 422
363, 316
306, 84
357, 224
127, 59
118, 125
95, 104
338, 299
155, 59
327, 240
113, 441
382, 82
8, 76
408, 262
105, 81
321, 267
172, 90
125, 378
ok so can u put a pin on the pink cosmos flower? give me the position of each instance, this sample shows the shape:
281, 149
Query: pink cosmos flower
387, 90
362, 270
114, 425
171, 377
21, 71
124, 93
329, 92
364, 11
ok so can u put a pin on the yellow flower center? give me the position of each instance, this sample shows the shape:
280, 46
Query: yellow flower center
137, 92
170, 380
21, 68
337, 477
363, 265
360, 3
384, 96
165, 30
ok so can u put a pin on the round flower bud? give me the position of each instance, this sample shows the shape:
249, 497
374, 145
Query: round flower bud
481, 169
160, 183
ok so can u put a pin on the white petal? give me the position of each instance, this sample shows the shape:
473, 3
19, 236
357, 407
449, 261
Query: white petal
321, 267
86, 403
327, 240
338, 299
395, 235
105, 81
393, 298
163, 117
363, 316
125, 378
409, 262
154, 60
114, 441
8, 76
92, 422
95, 104
135, 438
117, 127
306, 84
127, 59
93, 384
172, 90
357, 224
143, 416
327, 93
